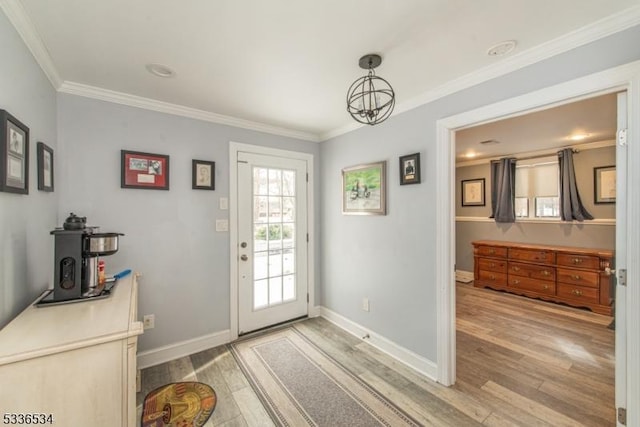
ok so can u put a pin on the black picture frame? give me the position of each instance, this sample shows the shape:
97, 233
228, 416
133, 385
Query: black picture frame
14, 154
410, 169
604, 184
45, 167
203, 175
148, 171
473, 192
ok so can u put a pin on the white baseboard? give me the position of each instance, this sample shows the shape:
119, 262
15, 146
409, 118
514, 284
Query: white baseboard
180, 349
423, 365
464, 276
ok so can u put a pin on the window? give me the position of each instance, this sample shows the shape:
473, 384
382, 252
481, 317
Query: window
537, 182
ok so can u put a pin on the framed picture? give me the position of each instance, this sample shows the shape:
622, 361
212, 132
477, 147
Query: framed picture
203, 175
473, 192
14, 149
522, 207
45, 167
364, 188
410, 169
144, 170
604, 184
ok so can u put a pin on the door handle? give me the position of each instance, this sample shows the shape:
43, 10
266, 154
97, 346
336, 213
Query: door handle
244, 257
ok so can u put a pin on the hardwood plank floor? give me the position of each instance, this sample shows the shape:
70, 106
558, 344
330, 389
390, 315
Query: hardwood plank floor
520, 362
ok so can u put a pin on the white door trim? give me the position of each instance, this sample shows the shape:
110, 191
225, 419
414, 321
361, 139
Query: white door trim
234, 148
626, 77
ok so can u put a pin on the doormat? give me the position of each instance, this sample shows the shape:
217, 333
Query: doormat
178, 405
299, 384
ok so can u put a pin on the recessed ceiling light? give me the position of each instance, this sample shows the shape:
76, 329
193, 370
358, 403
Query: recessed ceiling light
160, 70
502, 48
579, 136
470, 155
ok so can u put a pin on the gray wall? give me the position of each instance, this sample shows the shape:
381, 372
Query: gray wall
556, 233
170, 235
26, 248
391, 259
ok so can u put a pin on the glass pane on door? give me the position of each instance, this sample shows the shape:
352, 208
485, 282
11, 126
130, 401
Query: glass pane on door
274, 225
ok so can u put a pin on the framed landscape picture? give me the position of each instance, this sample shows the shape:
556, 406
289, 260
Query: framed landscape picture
364, 189
144, 170
14, 155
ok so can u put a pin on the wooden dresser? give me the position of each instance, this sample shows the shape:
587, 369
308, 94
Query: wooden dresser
575, 276
74, 363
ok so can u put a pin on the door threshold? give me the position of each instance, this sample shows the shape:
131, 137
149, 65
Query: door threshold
271, 328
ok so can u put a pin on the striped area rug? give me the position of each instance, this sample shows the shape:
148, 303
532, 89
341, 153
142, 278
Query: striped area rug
301, 385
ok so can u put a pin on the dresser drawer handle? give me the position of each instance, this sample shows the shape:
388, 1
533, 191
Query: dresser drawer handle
545, 287
492, 277
576, 277
516, 282
515, 268
546, 273
576, 260
493, 264
577, 292
492, 251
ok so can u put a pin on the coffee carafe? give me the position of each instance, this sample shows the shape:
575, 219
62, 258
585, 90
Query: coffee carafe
78, 249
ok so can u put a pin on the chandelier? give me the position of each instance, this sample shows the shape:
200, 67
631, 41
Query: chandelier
370, 99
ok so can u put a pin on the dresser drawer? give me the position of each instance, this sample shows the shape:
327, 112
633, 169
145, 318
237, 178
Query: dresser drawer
497, 265
534, 271
533, 255
578, 277
579, 261
492, 251
534, 285
490, 277
578, 293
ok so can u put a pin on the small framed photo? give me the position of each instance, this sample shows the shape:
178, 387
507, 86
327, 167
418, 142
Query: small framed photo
364, 189
203, 175
473, 192
45, 167
144, 170
604, 184
410, 169
14, 153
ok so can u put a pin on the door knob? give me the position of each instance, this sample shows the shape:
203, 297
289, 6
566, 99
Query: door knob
244, 257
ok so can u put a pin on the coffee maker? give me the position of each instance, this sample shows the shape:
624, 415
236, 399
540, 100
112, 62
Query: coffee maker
78, 249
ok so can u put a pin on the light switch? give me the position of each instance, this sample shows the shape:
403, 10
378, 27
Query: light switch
222, 225
224, 203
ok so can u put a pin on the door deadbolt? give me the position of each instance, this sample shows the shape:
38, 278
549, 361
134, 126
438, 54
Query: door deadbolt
243, 244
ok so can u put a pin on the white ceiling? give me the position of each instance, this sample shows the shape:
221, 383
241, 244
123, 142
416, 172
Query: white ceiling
287, 63
548, 129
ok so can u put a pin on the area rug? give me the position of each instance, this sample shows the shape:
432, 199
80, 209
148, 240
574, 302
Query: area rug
185, 404
299, 384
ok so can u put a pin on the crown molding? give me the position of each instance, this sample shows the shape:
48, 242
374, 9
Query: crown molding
24, 26
587, 34
550, 152
179, 110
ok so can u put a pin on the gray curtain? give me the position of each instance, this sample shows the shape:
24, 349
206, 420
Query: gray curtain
571, 207
503, 189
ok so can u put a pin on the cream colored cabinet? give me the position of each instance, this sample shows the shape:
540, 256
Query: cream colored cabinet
74, 362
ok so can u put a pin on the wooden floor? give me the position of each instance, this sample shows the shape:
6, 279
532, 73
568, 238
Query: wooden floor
520, 362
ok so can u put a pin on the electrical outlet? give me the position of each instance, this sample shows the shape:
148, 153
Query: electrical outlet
149, 321
365, 304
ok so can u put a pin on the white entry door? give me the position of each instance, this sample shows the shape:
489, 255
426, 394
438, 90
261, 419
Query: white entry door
272, 240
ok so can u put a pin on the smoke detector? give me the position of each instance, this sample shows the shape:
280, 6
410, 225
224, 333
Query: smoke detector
489, 142
502, 48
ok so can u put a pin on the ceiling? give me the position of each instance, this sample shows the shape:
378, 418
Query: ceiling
595, 119
283, 63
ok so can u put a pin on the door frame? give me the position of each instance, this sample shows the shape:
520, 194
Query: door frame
234, 148
625, 77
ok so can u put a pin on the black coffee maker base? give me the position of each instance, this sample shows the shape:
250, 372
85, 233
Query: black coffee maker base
47, 299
